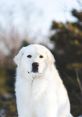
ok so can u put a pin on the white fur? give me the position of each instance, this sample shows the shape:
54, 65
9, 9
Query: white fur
39, 94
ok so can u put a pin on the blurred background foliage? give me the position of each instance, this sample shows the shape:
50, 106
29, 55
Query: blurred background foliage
68, 53
67, 39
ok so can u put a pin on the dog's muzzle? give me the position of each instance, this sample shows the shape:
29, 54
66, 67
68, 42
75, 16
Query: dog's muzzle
35, 66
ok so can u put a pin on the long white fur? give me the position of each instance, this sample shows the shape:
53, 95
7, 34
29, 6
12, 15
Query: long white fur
39, 95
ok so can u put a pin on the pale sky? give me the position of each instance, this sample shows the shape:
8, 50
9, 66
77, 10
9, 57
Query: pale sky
33, 18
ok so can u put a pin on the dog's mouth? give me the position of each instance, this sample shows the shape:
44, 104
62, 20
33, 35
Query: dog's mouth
35, 74
35, 70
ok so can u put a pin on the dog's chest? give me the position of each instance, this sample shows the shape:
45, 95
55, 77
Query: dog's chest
38, 88
31, 90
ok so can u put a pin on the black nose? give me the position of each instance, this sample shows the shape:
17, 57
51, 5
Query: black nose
35, 67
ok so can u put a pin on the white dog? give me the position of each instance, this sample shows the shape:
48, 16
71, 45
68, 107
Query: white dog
39, 89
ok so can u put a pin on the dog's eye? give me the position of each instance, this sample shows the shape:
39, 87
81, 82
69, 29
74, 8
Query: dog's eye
29, 56
41, 56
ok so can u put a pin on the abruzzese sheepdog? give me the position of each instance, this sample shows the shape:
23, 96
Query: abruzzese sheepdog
39, 90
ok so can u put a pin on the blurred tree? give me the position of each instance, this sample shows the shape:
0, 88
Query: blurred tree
24, 43
68, 53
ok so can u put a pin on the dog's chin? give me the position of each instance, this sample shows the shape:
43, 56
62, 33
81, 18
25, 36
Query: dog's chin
36, 74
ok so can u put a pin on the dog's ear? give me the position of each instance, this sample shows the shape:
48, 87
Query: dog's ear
50, 57
17, 58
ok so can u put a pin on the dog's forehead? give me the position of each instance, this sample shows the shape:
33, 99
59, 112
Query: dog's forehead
35, 49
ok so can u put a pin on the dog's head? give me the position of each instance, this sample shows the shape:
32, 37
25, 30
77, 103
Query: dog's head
34, 59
